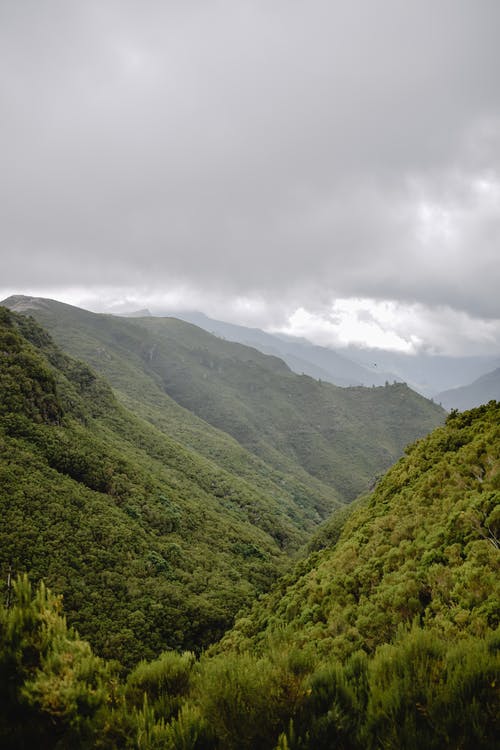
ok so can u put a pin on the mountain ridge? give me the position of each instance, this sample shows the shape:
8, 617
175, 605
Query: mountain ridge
152, 545
480, 391
333, 439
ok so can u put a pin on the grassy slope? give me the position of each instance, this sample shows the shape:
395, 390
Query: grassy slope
424, 545
151, 544
325, 442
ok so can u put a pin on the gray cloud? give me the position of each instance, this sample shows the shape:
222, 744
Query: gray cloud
285, 151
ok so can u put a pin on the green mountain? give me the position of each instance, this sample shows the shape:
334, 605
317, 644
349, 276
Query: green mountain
300, 355
386, 637
484, 389
425, 545
152, 544
328, 442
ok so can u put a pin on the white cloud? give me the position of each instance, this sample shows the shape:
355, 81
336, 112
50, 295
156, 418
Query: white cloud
256, 159
387, 324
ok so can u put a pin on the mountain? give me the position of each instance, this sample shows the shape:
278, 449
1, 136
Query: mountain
484, 389
392, 627
424, 545
300, 355
152, 544
328, 443
385, 637
428, 374
425, 373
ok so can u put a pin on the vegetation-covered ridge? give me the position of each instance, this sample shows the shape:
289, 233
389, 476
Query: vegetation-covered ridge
424, 546
385, 639
153, 545
221, 398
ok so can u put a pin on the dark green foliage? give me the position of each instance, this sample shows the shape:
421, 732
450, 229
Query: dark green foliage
425, 545
166, 681
426, 693
152, 545
242, 701
53, 691
419, 691
329, 532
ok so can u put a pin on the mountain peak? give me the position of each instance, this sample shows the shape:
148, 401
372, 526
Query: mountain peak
21, 302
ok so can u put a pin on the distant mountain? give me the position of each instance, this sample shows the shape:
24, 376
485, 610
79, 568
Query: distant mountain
428, 374
145, 313
484, 389
300, 355
327, 443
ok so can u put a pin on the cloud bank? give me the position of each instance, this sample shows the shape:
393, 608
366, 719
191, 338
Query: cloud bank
258, 159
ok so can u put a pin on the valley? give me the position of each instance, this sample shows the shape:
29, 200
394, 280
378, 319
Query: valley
210, 519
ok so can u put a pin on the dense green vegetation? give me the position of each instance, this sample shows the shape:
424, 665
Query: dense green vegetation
423, 546
152, 545
385, 637
158, 527
328, 442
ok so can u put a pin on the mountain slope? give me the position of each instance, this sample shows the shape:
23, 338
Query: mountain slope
300, 355
328, 442
484, 389
425, 545
152, 545
120, 351
386, 638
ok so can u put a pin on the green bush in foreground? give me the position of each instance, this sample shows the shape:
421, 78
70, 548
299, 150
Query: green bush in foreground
53, 690
419, 691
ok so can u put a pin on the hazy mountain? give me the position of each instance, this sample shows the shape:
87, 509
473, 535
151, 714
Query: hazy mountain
429, 374
484, 389
144, 313
329, 442
300, 355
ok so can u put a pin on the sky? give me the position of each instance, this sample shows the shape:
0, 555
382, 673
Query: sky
328, 169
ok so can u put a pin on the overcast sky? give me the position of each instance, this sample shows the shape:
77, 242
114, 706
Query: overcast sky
326, 168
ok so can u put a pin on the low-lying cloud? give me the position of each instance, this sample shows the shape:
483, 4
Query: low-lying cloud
257, 159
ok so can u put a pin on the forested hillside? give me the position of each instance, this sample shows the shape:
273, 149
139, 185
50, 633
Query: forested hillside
385, 638
424, 545
152, 545
331, 440
300, 355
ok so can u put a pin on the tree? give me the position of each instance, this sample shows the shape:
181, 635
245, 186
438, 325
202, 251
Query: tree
53, 691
